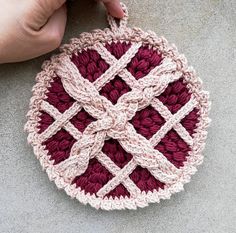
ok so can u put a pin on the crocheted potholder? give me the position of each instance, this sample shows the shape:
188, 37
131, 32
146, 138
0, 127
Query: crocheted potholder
118, 119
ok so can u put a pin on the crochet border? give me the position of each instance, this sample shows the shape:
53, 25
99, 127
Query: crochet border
194, 84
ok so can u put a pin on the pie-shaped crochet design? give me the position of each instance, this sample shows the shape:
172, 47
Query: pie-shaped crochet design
118, 119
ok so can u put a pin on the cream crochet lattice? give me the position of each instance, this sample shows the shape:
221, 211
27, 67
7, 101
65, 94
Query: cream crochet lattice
118, 119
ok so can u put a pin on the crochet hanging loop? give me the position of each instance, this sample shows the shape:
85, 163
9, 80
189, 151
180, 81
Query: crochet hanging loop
119, 24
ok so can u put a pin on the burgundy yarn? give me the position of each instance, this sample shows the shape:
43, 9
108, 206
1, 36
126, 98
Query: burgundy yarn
119, 191
174, 148
146, 122
115, 89
175, 96
116, 153
94, 178
81, 120
145, 60
117, 49
59, 146
58, 97
44, 121
144, 180
90, 64
190, 121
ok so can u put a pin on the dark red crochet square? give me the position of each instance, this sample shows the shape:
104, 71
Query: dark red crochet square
45, 120
145, 180
81, 120
144, 61
59, 146
90, 64
118, 49
116, 153
114, 89
94, 178
58, 97
174, 148
175, 96
147, 122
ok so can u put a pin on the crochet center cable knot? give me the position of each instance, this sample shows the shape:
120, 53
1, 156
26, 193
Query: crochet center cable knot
118, 119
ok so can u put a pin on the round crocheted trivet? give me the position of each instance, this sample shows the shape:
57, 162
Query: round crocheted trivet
118, 119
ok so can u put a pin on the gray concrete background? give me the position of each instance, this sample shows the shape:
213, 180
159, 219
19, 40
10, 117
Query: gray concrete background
205, 32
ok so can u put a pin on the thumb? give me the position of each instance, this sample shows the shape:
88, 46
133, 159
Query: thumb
41, 10
49, 6
51, 34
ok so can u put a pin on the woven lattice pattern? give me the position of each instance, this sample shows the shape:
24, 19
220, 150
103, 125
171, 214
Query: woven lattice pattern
118, 119
99, 176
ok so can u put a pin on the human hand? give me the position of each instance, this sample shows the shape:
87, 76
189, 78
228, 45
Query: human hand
30, 28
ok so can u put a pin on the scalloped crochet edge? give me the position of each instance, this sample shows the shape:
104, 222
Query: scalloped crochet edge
194, 84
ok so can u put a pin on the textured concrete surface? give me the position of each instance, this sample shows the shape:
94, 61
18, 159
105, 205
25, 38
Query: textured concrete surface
205, 32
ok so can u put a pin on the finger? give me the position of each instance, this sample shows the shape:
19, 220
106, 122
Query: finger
114, 8
50, 36
49, 6
41, 10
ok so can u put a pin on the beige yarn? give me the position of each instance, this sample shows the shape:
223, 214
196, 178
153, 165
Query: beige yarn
113, 120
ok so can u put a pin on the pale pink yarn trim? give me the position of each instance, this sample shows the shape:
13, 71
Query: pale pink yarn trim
113, 122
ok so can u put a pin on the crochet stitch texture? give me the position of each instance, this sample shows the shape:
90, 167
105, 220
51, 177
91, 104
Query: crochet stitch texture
118, 119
